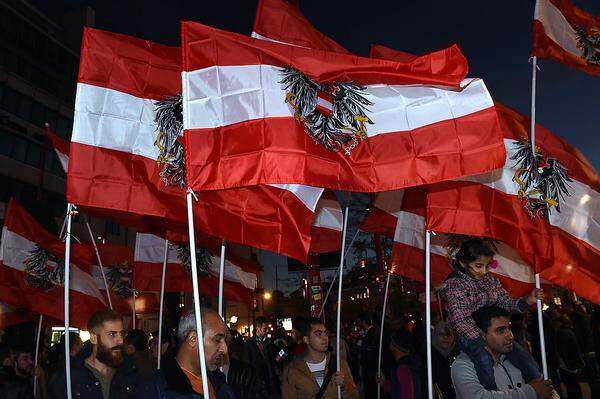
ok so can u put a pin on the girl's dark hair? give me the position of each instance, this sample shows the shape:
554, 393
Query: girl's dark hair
470, 250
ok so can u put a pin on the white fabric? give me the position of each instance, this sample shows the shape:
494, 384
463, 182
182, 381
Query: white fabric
318, 370
224, 95
118, 121
556, 26
64, 160
150, 249
16, 248
329, 215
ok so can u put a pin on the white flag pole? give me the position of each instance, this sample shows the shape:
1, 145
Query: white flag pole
132, 308
339, 304
221, 277
162, 302
196, 289
89, 229
67, 284
37, 354
335, 276
540, 314
428, 311
385, 299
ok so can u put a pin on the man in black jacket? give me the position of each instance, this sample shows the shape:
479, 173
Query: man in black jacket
259, 352
11, 387
101, 370
368, 351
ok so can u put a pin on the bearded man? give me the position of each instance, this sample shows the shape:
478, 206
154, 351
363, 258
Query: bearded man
101, 370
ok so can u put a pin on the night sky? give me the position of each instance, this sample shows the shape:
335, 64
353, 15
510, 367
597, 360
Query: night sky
496, 37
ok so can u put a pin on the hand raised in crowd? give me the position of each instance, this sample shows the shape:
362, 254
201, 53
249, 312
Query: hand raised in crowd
543, 388
537, 293
338, 378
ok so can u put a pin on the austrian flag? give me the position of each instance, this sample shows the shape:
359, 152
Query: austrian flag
261, 112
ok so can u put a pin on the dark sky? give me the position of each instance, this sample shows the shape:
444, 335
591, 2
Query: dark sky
494, 35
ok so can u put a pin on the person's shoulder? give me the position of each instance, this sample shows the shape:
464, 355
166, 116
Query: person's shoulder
462, 360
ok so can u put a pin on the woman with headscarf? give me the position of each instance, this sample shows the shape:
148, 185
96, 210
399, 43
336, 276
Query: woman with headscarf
442, 355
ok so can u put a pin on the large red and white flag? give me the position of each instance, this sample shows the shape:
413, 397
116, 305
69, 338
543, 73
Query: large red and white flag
327, 225
240, 278
567, 34
61, 147
283, 22
121, 161
250, 109
32, 270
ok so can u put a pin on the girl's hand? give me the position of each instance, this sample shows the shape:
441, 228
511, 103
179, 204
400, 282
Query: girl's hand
537, 293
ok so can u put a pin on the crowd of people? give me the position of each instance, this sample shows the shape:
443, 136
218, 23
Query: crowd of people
484, 345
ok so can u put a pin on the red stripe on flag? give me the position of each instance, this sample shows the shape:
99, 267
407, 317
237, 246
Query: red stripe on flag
464, 146
264, 217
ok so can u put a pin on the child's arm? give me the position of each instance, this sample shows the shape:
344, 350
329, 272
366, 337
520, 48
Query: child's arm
506, 302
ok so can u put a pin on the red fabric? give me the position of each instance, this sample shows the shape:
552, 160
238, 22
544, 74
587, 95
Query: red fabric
58, 143
10, 315
127, 188
204, 46
449, 61
445, 150
379, 221
15, 290
544, 46
284, 22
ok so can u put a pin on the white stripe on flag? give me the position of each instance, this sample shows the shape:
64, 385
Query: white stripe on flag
556, 26
151, 249
324, 103
224, 95
64, 160
329, 215
118, 121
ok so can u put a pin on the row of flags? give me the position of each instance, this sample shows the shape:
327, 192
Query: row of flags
263, 127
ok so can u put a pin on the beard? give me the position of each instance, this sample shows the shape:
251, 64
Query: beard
112, 357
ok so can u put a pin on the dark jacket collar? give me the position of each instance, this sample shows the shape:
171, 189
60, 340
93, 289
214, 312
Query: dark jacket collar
176, 379
79, 361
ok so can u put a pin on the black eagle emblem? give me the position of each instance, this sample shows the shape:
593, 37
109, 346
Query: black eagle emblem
334, 115
203, 259
168, 116
589, 44
43, 269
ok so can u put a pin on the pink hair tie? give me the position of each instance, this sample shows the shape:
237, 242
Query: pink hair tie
494, 264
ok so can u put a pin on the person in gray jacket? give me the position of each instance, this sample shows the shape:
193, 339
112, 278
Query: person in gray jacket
494, 322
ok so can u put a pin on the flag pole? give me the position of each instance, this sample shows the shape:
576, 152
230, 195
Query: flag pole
538, 285
162, 302
37, 354
89, 229
428, 311
385, 299
67, 284
335, 276
339, 304
132, 308
196, 289
221, 277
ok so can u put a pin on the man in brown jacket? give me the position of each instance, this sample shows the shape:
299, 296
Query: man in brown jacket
304, 377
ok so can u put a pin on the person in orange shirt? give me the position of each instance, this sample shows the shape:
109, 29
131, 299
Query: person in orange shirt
180, 375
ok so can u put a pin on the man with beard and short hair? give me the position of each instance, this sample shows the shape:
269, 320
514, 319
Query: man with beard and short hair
100, 370
11, 386
180, 376
495, 324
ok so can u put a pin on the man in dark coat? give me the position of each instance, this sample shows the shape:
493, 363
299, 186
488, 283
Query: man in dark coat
101, 370
11, 387
368, 351
259, 352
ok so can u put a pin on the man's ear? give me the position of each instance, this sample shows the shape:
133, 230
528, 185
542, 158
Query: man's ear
305, 339
192, 339
93, 338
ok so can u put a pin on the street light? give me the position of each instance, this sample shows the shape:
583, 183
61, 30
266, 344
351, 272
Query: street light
267, 295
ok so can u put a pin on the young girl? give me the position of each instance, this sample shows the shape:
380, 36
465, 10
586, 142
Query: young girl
470, 287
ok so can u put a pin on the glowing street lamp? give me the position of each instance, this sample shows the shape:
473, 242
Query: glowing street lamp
267, 295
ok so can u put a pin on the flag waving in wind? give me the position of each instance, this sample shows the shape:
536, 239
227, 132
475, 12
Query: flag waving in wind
61, 147
250, 108
32, 270
125, 168
567, 34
